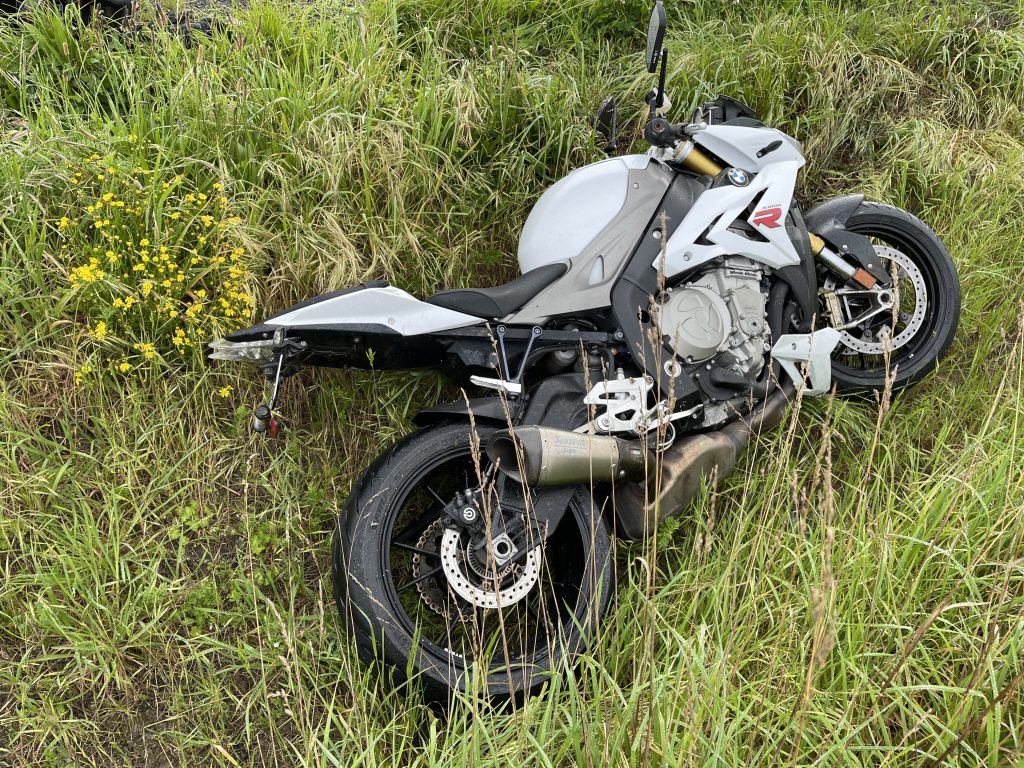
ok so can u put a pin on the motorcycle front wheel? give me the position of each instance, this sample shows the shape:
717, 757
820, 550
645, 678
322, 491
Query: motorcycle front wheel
901, 345
395, 593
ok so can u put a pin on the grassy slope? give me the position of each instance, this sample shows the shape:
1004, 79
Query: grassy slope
852, 597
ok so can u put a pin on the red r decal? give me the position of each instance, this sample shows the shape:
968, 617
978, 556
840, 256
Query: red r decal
768, 217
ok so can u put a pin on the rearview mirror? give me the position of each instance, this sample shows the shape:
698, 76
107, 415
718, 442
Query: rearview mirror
655, 35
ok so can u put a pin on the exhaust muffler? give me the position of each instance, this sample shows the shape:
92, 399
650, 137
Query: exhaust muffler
687, 465
543, 457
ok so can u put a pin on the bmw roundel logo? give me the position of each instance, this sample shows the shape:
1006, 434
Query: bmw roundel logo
738, 177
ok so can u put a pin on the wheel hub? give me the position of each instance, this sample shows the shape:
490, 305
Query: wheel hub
873, 338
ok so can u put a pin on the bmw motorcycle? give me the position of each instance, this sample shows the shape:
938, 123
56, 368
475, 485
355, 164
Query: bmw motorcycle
671, 305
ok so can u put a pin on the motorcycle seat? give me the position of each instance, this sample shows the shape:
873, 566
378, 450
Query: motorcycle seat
501, 300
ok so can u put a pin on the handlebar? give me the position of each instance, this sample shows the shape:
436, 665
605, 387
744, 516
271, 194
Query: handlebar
659, 132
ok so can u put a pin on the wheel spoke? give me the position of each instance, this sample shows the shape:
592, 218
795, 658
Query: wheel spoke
417, 550
415, 528
434, 494
418, 579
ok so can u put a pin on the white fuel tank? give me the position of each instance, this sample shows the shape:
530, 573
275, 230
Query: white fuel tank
574, 210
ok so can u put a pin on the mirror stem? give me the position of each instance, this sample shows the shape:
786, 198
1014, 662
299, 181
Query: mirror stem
660, 101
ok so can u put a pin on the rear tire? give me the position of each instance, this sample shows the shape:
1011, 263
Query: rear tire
407, 633
859, 372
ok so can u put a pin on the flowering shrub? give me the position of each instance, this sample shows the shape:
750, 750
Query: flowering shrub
154, 264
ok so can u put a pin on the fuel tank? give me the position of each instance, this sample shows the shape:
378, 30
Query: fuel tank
592, 219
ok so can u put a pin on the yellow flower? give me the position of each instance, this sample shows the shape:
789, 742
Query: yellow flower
87, 273
225, 392
124, 367
82, 372
108, 197
63, 223
144, 242
147, 350
175, 216
100, 331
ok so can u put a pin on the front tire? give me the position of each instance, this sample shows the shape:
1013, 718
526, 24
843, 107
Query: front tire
901, 349
393, 593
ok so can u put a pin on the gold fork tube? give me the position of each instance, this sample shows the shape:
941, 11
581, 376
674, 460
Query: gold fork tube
693, 159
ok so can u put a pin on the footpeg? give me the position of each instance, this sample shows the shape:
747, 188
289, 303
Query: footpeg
508, 387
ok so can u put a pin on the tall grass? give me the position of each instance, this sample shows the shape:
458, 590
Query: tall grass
852, 596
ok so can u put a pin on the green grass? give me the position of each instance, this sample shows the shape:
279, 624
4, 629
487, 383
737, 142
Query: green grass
852, 596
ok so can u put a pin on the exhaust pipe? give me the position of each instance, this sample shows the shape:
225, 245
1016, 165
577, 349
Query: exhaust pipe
543, 457
639, 507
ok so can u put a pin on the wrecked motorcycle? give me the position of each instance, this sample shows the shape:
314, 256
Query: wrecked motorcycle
670, 305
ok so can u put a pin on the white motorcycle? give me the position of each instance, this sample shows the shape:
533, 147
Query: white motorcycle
670, 305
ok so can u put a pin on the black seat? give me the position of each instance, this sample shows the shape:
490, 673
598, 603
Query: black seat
502, 300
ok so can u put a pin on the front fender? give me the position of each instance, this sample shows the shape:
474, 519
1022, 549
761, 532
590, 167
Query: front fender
832, 214
828, 221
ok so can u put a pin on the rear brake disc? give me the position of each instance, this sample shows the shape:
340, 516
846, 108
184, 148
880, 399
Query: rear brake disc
453, 561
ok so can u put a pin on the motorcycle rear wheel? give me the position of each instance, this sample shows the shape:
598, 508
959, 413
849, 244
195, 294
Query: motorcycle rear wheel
393, 594
862, 363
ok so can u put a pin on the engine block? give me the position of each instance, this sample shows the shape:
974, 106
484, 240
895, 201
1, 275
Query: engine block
718, 323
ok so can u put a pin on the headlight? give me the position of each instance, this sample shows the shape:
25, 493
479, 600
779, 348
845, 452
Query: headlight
256, 352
